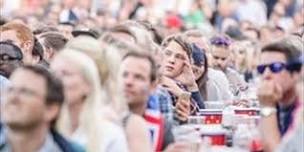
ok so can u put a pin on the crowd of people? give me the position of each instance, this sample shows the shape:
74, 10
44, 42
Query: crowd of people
120, 76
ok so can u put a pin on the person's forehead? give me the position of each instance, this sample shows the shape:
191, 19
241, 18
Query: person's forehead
60, 64
175, 48
136, 65
220, 52
270, 57
28, 79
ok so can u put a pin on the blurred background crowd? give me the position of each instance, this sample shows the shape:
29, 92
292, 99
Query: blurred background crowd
139, 75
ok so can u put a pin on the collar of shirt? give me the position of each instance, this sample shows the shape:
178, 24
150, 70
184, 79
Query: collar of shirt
49, 144
285, 116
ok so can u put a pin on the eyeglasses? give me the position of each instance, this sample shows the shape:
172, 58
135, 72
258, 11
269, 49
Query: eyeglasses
275, 67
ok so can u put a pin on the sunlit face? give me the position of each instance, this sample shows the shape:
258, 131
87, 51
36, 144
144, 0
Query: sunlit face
173, 60
220, 58
283, 78
76, 87
198, 71
135, 75
24, 103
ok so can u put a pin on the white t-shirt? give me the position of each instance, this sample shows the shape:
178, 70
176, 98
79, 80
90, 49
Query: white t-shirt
113, 138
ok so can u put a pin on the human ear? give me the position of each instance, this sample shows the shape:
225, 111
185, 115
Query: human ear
52, 112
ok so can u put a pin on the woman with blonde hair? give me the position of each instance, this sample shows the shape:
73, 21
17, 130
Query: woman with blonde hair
107, 59
82, 118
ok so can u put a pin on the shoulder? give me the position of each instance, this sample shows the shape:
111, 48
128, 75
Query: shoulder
215, 74
114, 137
232, 72
135, 122
64, 144
139, 124
111, 129
217, 77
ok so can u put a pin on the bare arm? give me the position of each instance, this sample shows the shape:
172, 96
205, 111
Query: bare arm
270, 133
138, 135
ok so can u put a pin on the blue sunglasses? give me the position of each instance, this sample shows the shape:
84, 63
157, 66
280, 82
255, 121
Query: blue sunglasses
275, 67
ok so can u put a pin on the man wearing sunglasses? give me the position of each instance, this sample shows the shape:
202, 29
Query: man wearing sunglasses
22, 36
10, 58
279, 68
221, 60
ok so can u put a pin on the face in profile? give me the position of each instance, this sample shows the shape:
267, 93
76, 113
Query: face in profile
136, 81
10, 58
198, 71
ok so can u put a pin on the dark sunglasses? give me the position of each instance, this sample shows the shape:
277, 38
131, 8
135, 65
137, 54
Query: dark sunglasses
275, 67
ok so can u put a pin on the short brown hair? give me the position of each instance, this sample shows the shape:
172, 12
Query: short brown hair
54, 40
148, 56
24, 33
287, 46
54, 86
180, 40
124, 29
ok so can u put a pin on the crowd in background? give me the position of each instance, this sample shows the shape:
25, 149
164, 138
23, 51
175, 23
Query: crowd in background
120, 75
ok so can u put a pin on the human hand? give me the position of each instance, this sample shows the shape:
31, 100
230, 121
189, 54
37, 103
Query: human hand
269, 93
171, 86
182, 109
187, 77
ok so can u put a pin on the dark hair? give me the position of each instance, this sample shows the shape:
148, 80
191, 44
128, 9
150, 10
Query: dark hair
67, 23
43, 29
123, 29
2, 21
53, 40
157, 37
201, 81
55, 93
142, 55
180, 40
37, 49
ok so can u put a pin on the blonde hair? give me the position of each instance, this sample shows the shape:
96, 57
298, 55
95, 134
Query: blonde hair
90, 118
107, 60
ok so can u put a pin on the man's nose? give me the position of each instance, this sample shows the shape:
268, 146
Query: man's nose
171, 59
128, 81
267, 75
